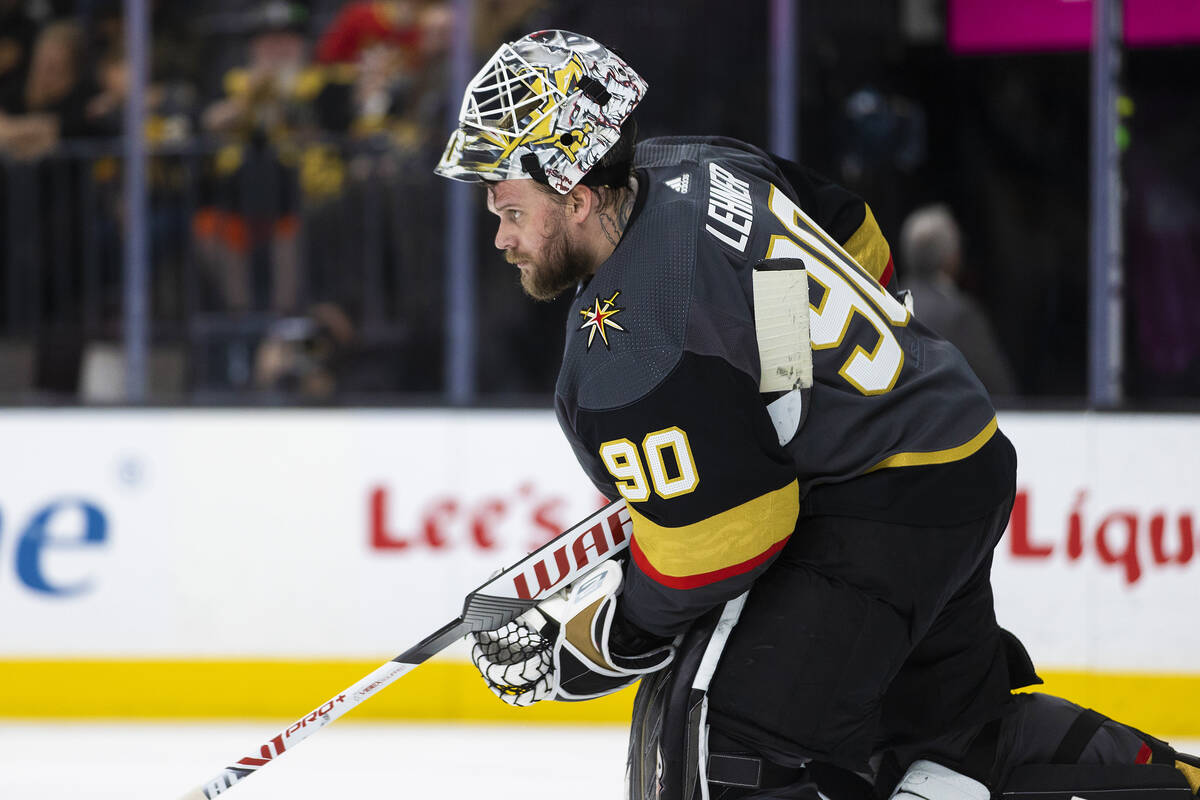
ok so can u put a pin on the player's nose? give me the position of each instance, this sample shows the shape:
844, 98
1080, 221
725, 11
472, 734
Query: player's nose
504, 239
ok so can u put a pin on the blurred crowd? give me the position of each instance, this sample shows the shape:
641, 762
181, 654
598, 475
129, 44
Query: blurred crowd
281, 70
297, 233
282, 136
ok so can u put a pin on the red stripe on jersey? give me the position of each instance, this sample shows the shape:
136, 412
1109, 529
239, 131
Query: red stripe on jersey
704, 578
886, 277
1143, 756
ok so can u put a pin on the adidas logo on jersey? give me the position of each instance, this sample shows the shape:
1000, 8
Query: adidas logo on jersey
681, 183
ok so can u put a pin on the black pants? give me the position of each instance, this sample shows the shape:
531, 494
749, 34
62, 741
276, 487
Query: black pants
865, 635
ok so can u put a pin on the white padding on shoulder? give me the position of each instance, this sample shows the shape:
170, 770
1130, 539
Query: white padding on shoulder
781, 323
926, 780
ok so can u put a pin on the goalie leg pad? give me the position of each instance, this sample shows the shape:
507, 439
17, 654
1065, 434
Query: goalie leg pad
1047, 748
1044, 732
1094, 756
644, 763
1088, 781
659, 740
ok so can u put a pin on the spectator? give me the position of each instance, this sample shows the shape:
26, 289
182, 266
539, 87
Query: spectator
1162, 246
17, 33
104, 109
270, 95
428, 96
931, 249
168, 104
247, 237
383, 70
363, 25
321, 356
297, 355
54, 105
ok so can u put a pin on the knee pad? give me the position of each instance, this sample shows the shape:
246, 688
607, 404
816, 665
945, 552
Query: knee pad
927, 780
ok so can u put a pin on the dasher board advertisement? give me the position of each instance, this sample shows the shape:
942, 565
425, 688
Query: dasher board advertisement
220, 537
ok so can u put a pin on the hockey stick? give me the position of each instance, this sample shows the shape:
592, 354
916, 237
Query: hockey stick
493, 605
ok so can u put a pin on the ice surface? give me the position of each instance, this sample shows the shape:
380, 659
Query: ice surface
346, 761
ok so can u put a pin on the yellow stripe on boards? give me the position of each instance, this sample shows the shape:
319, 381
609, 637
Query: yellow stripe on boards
266, 689
1160, 704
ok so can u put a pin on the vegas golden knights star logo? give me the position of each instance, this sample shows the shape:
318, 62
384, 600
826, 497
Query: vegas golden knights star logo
598, 318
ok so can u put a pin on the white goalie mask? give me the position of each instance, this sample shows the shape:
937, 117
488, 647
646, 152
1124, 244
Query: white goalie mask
547, 106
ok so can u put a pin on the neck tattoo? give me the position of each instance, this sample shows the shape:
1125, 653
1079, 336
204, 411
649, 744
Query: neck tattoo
613, 224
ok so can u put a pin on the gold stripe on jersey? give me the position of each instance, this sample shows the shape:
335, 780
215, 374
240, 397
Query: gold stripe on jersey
721, 542
867, 245
940, 456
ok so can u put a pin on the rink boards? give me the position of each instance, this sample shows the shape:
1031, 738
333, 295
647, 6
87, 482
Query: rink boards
233, 564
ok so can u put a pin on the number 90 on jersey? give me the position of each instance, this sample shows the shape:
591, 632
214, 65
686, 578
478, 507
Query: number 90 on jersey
663, 464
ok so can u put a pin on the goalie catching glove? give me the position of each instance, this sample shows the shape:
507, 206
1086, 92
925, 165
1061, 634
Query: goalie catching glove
564, 650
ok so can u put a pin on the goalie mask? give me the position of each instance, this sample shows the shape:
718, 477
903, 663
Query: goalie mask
547, 107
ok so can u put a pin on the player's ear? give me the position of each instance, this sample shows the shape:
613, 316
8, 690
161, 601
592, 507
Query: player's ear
580, 202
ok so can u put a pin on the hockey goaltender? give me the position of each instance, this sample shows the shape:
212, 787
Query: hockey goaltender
815, 496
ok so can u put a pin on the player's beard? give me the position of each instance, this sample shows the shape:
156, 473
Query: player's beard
562, 265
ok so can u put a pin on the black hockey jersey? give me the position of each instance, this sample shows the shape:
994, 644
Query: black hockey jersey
659, 391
